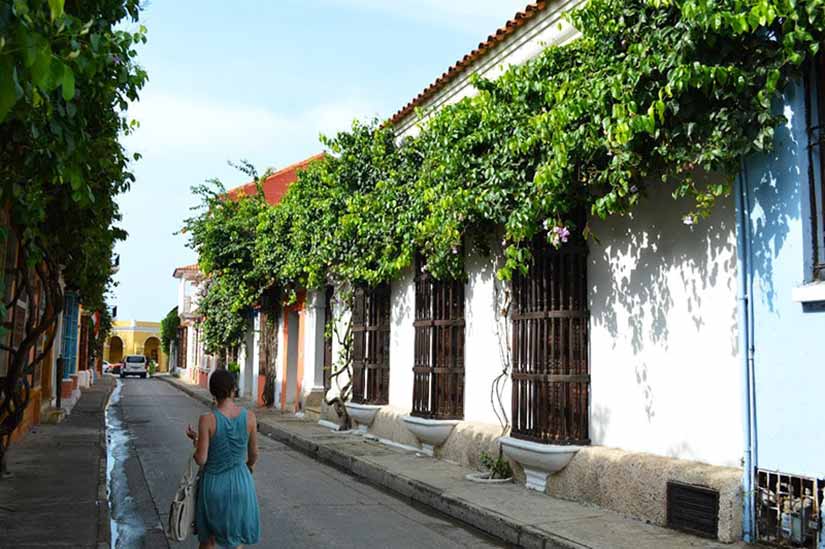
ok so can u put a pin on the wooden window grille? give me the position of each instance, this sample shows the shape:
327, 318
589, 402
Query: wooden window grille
371, 345
438, 371
328, 319
551, 376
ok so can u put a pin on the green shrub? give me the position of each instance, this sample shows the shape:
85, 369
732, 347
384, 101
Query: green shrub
498, 467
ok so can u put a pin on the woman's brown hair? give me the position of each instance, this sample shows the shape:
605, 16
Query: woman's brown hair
221, 384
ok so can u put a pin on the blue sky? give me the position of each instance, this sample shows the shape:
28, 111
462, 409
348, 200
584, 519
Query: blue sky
259, 80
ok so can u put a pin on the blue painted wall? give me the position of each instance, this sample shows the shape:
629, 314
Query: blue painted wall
789, 339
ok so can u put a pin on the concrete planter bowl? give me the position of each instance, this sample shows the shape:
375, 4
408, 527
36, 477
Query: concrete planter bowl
539, 460
362, 414
431, 433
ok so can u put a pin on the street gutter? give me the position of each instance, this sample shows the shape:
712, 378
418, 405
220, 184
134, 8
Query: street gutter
104, 533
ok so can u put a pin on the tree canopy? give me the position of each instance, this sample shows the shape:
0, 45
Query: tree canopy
67, 74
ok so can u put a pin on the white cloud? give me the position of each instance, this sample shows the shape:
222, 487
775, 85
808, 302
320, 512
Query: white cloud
175, 123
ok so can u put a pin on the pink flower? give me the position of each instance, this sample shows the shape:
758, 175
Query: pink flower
559, 235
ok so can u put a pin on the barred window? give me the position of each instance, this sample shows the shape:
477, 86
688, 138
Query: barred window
551, 376
438, 371
371, 345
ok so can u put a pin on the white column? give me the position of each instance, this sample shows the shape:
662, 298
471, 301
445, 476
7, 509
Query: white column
314, 322
256, 353
242, 373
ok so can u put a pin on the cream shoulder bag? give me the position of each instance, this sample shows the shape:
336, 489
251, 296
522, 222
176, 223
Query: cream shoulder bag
182, 510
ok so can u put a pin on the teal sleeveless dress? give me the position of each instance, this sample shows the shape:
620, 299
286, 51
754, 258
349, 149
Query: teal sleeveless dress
227, 505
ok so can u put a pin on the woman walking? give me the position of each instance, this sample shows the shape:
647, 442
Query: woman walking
226, 449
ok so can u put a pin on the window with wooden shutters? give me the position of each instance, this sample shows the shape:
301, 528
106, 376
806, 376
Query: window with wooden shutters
328, 319
371, 345
438, 371
551, 376
70, 326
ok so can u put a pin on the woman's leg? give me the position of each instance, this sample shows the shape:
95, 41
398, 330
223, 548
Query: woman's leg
210, 544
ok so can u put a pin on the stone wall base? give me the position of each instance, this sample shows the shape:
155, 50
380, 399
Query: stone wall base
631, 483
66, 388
635, 484
203, 378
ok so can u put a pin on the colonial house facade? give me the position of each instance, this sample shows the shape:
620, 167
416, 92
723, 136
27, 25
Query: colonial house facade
196, 365
609, 374
193, 363
659, 368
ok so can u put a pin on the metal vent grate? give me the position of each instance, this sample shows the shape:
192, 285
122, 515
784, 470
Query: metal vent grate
693, 509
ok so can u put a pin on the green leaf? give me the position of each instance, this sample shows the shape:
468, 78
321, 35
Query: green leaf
40, 69
8, 91
56, 8
68, 83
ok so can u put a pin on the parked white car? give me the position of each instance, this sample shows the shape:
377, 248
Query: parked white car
134, 365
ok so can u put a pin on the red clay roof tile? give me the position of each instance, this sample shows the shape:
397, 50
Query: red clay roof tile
276, 184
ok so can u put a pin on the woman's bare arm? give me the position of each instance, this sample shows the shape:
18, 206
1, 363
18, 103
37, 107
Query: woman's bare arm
202, 448
252, 448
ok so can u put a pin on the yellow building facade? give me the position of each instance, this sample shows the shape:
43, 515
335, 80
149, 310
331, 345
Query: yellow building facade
135, 337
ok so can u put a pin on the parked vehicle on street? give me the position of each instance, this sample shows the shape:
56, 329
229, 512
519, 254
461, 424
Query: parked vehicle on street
134, 365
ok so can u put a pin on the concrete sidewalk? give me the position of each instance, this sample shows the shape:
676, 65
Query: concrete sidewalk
56, 496
507, 511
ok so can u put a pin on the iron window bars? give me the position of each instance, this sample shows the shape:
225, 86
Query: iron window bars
551, 375
438, 370
788, 509
371, 344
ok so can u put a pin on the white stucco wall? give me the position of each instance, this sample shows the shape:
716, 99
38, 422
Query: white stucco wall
402, 341
663, 341
341, 317
484, 345
313, 342
279, 357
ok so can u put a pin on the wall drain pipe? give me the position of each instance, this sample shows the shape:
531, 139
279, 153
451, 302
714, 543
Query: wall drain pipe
743, 235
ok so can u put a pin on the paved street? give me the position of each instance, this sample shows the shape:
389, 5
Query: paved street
303, 503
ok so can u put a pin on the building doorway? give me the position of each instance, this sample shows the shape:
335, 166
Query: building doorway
151, 349
115, 350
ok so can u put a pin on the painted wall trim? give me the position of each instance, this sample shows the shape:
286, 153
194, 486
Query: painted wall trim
809, 293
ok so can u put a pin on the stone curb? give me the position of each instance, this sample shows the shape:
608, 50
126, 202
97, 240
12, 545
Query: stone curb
486, 520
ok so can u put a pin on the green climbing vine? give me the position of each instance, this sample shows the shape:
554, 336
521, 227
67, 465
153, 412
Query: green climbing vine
653, 93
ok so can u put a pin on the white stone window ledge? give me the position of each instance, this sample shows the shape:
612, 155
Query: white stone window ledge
809, 293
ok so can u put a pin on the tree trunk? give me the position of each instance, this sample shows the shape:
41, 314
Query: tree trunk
269, 345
